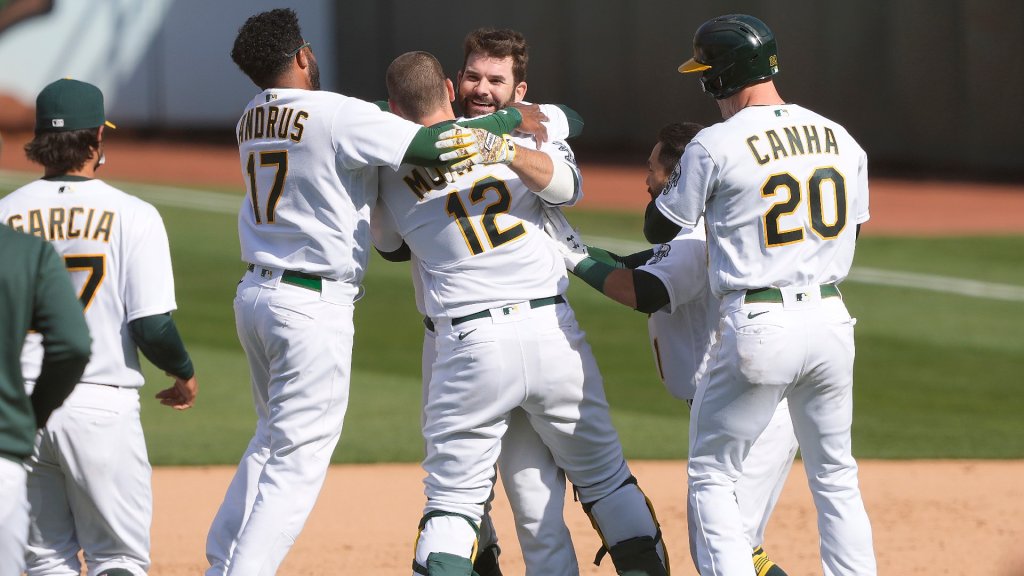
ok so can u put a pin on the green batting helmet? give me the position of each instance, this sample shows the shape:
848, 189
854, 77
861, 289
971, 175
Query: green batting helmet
731, 52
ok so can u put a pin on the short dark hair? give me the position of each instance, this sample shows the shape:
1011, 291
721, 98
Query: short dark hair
264, 43
674, 137
496, 43
416, 84
63, 152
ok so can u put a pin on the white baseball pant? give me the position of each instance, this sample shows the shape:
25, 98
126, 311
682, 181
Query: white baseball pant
13, 517
89, 486
764, 475
299, 346
803, 350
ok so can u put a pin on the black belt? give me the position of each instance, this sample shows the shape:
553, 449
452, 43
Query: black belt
296, 278
535, 303
774, 295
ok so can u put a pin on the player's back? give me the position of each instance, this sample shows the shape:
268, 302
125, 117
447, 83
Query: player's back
307, 159
115, 248
787, 190
478, 237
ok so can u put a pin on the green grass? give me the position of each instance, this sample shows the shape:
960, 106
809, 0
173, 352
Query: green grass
937, 376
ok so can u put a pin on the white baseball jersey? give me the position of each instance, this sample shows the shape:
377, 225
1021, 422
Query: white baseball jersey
800, 230
683, 332
115, 247
302, 213
471, 266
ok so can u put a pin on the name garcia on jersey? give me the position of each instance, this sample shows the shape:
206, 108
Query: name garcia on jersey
60, 223
794, 141
275, 122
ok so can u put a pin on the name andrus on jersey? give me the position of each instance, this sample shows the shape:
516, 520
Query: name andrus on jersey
798, 141
60, 223
276, 122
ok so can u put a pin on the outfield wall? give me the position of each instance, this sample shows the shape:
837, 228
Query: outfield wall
934, 86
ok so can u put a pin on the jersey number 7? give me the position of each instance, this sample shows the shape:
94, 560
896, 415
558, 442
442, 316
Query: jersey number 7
279, 160
95, 265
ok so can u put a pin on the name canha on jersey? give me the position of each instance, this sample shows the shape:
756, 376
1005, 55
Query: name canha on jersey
478, 235
115, 248
784, 188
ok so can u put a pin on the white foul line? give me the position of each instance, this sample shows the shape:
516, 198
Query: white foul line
195, 199
879, 277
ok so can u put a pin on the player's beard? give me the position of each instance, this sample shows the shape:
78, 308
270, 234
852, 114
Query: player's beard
471, 110
314, 74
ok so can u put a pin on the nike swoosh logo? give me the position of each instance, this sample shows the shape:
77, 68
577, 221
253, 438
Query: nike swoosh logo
752, 315
462, 335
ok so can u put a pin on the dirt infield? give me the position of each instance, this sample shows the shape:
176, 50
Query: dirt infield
929, 517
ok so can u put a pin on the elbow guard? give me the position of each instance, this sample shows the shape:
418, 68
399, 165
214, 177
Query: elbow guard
562, 187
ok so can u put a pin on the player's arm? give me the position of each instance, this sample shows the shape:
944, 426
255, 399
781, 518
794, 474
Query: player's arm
605, 271
57, 315
387, 241
658, 229
159, 341
423, 152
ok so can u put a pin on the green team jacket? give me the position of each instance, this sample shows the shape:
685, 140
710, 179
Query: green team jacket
36, 294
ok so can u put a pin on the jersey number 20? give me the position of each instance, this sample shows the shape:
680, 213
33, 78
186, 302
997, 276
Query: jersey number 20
279, 160
774, 235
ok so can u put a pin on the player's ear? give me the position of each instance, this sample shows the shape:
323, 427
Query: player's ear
520, 91
450, 88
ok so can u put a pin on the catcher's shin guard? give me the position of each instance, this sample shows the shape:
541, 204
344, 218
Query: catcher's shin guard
444, 564
637, 557
486, 563
626, 518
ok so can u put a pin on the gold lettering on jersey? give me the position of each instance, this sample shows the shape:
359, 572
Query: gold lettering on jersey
261, 114
64, 223
272, 113
831, 145
296, 136
274, 122
73, 231
798, 141
421, 182
57, 223
103, 226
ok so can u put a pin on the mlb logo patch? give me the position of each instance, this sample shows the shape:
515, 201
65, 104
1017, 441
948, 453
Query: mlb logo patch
57, 122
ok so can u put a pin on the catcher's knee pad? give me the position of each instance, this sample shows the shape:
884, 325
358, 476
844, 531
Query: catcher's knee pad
626, 515
444, 525
486, 563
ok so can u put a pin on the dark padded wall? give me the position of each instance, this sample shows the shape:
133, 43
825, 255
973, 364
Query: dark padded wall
934, 87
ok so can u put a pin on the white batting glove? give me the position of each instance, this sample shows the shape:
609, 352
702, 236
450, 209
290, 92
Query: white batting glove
475, 146
566, 238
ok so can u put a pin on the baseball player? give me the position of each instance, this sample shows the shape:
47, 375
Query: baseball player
89, 476
493, 76
670, 283
36, 294
783, 192
505, 335
309, 159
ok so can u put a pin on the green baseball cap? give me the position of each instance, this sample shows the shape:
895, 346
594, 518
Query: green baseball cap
67, 105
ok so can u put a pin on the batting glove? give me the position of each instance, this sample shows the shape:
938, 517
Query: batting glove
566, 238
475, 146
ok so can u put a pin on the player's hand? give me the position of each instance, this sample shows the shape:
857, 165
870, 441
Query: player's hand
566, 238
532, 123
471, 146
180, 396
